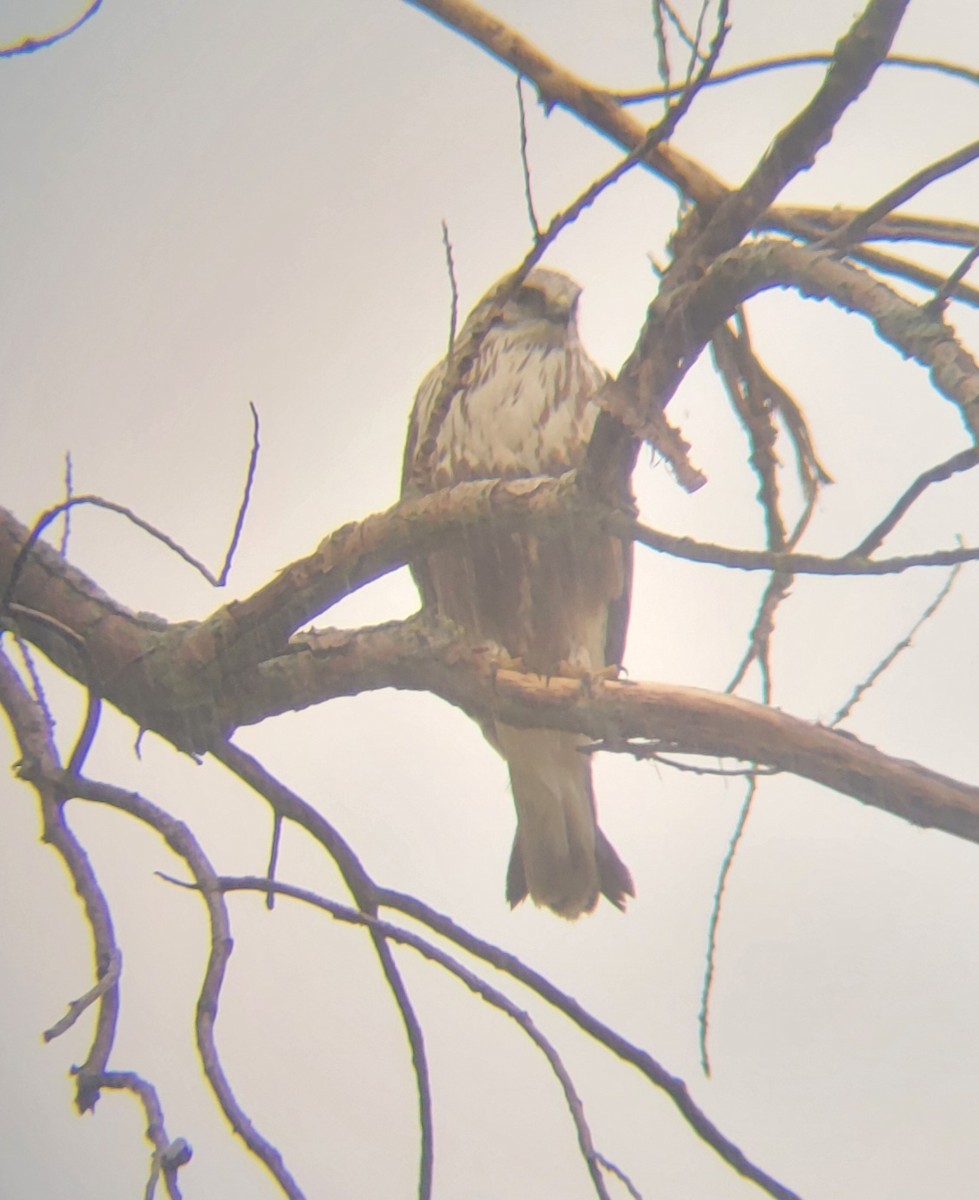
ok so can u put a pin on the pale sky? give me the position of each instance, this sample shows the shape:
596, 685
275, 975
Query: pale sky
206, 204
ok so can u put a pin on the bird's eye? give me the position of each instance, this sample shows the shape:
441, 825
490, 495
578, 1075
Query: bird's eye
532, 300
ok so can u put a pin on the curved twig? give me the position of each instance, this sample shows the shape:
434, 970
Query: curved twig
31, 44
51, 514
815, 59
41, 766
286, 804
674, 1087
183, 843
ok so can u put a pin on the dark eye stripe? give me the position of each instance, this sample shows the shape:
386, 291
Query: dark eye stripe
532, 300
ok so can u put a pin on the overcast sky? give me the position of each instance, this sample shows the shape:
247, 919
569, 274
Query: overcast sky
208, 204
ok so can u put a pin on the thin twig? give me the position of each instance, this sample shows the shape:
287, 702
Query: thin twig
93, 710
287, 804
744, 384
168, 1156
895, 227
654, 750
37, 686
493, 996
525, 162
295, 808
759, 639
41, 766
419, 1064
66, 527
904, 644
703, 1020
657, 134
952, 285
75, 1009
662, 50
453, 285
245, 497
953, 70
273, 857
694, 81
619, 1174
965, 460
855, 229
186, 847
644, 1062
691, 41
51, 514
692, 550
475, 983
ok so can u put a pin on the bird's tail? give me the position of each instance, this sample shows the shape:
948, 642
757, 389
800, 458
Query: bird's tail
560, 857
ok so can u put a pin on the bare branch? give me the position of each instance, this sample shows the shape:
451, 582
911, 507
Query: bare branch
681, 720
676, 332
79, 1006
619, 1174
37, 693
288, 805
508, 963
795, 563
744, 384
856, 58
662, 47
183, 843
41, 767
168, 1156
558, 86
66, 526
49, 515
760, 637
953, 285
904, 644
822, 58
194, 682
818, 223
222, 578
450, 267
525, 164
703, 1020
855, 230
31, 44
965, 460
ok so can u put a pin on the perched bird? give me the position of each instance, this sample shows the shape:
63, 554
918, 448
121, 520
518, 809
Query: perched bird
556, 601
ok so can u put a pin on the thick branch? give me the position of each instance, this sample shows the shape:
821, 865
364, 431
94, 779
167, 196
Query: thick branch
606, 110
855, 59
181, 679
678, 330
683, 719
195, 682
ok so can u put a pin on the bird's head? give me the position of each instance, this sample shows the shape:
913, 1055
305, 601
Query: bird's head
543, 296
542, 308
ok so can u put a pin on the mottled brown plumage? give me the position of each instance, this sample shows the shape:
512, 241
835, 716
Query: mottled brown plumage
527, 408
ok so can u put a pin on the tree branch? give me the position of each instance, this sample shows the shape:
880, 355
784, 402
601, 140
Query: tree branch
678, 719
674, 1087
558, 86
